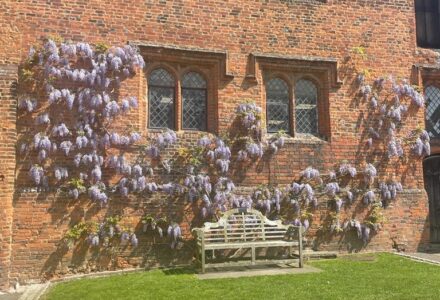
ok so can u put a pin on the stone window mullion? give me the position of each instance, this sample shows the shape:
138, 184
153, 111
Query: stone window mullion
178, 114
292, 105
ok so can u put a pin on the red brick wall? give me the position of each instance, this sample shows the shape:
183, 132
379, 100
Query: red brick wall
10, 41
295, 27
8, 138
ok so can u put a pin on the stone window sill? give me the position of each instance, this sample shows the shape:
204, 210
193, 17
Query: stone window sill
302, 139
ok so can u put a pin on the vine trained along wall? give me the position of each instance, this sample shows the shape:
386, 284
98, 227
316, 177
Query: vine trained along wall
151, 190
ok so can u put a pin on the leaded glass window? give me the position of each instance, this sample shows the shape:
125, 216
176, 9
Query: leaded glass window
194, 94
306, 114
277, 105
428, 23
432, 95
161, 95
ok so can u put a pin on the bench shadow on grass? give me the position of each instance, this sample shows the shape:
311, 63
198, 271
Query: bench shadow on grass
180, 271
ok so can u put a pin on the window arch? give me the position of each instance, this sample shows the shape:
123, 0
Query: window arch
194, 99
161, 98
277, 105
432, 116
306, 111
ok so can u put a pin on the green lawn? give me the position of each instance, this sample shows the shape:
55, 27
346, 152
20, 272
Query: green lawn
353, 277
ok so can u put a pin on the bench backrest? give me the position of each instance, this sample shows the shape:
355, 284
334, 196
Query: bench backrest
244, 225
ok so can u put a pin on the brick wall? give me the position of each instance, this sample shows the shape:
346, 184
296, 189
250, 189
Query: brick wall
10, 38
221, 35
8, 137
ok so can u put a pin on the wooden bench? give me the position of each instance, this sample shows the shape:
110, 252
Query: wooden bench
242, 228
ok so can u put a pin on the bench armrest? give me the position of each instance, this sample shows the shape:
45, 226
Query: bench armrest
197, 232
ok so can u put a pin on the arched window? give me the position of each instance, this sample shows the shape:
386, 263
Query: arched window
161, 95
306, 114
432, 116
194, 95
277, 110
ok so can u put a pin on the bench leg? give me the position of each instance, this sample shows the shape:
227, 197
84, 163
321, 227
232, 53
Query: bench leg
197, 255
300, 248
253, 255
203, 260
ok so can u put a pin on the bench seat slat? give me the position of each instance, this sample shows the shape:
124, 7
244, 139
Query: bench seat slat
256, 244
248, 238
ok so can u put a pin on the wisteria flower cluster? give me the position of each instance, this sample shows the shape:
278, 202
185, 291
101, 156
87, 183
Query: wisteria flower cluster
300, 194
216, 152
199, 187
276, 142
105, 234
154, 224
310, 173
111, 229
82, 80
389, 190
420, 146
254, 148
250, 115
175, 234
370, 173
222, 196
389, 114
162, 141
267, 198
163, 228
347, 169
362, 231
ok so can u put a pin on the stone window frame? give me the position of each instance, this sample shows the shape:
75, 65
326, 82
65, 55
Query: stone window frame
211, 64
177, 71
292, 78
321, 71
426, 75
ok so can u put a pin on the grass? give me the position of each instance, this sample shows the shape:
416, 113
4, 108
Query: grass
383, 276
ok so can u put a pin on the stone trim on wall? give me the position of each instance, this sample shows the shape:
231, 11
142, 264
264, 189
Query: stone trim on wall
194, 54
314, 64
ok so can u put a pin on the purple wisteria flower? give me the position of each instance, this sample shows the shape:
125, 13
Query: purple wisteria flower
310, 173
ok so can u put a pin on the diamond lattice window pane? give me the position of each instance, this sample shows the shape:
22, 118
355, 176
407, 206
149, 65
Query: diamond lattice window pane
432, 116
161, 107
194, 109
161, 77
305, 92
306, 121
306, 116
278, 117
193, 80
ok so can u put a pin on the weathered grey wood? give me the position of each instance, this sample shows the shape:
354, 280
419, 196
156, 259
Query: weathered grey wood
203, 254
300, 249
249, 244
246, 229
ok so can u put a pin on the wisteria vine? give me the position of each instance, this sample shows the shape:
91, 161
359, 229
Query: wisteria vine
74, 101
